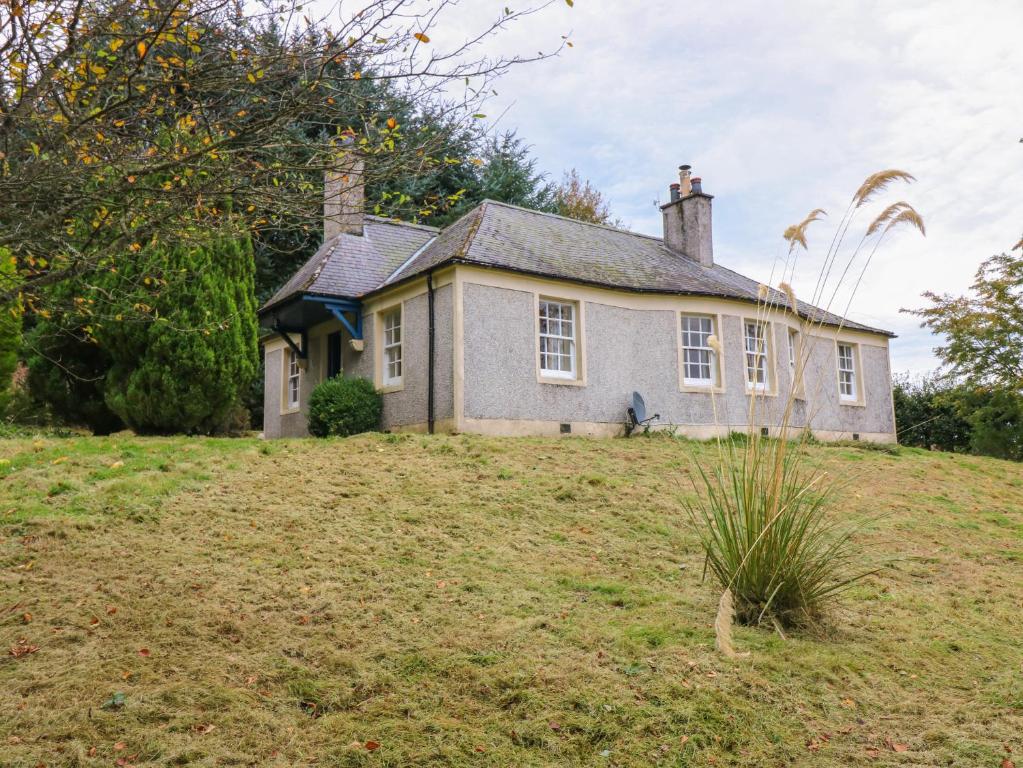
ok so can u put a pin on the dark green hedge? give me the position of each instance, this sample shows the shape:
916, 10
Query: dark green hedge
344, 406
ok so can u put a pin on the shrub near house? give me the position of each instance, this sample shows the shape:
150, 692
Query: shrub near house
342, 407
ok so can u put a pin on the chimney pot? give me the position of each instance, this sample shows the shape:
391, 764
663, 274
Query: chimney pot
675, 194
697, 185
683, 177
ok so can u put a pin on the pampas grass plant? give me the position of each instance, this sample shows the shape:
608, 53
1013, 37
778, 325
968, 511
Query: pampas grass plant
762, 509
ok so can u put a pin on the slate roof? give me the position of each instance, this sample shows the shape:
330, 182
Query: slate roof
351, 266
503, 236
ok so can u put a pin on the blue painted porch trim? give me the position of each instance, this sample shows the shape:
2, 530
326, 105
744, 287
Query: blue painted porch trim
338, 307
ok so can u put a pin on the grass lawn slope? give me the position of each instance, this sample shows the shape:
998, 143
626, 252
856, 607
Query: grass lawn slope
461, 601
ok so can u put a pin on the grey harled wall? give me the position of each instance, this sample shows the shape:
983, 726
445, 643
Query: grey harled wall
630, 349
276, 424
409, 405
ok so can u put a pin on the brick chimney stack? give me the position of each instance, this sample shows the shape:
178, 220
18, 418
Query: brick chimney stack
687, 220
344, 194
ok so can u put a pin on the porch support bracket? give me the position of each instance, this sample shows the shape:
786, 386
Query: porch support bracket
285, 333
338, 308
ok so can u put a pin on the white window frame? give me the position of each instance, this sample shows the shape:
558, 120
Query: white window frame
392, 369
545, 337
795, 342
292, 375
849, 375
764, 356
712, 363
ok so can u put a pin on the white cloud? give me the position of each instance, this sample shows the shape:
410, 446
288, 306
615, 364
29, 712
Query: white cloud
783, 107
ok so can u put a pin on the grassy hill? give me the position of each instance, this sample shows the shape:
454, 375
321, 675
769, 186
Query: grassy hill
397, 601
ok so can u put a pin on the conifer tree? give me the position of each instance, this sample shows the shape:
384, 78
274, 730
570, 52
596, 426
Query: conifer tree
10, 329
184, 350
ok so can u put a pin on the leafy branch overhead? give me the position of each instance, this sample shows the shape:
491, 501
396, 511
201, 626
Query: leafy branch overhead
127, 124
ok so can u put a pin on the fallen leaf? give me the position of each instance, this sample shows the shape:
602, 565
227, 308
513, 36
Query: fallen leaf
144, 652
1007, 763
119, 746
871, 752
111, 610
118, 464
26, 617
23, 648
555, 726
900, 747
421, 37
372, 745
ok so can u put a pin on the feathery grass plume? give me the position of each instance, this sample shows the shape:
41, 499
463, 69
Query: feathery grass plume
796, 233
1018, 246
894, 213
908, 215
878, 182
762, 292
786, 288
723, 625
714, 344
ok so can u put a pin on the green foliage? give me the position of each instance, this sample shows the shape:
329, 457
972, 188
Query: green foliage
66, 376
949, 416
766, 534
10, 327
184, 349
996, 421
983, 331
928, 415
344, 406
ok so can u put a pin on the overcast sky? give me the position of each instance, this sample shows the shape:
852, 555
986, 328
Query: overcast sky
781, 108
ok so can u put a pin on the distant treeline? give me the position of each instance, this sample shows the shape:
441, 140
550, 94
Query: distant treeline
941, 414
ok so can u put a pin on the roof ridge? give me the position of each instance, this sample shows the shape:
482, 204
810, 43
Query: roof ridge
400, 223
570, 219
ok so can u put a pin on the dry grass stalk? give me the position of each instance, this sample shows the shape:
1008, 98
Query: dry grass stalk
876, 183
795, 234
723, 627
893, 215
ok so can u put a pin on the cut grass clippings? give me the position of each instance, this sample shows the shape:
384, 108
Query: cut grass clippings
429, 601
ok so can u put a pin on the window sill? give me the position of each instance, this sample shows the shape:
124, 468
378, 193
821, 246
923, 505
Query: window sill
560, 381
289, 411
853, 403
693, 389
386, 389
751, 392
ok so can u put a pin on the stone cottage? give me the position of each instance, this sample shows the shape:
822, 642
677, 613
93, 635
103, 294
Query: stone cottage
515, 322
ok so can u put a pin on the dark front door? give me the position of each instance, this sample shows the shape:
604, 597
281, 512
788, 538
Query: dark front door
334, 355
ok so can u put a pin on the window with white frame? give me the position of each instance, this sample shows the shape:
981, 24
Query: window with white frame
756, 354
558, 328
847, 372
699, 361
392, 347
294, 377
